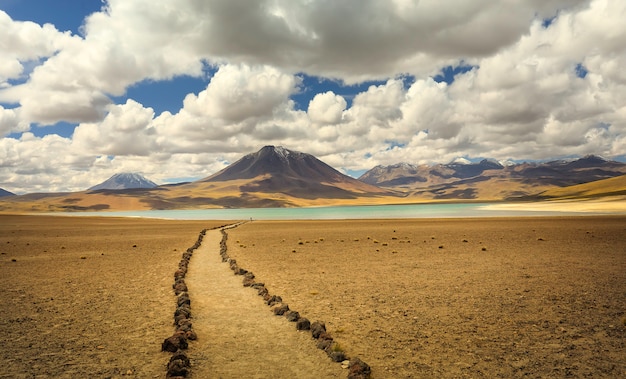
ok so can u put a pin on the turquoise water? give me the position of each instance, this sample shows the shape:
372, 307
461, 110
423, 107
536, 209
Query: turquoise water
331, 213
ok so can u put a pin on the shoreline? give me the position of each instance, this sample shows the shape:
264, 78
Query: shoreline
437, 210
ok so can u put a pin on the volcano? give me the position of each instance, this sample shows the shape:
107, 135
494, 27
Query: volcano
275, 169
124, 181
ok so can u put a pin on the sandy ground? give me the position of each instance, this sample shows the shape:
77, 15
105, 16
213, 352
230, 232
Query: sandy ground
88, 297
604, 205
537, 297
238, 335
475, 298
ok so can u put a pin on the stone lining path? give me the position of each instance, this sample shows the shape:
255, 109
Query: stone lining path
238, 335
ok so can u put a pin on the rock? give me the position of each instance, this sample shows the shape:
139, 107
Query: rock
174, 343
180, 273
191, 335
249, 275
178, 366
180, 288
325, 336
317, 328
262, 291
292, 316
181, 357
324, 344
281, 309
184, 310
247, 282
274, 299
183, 299
303, 324
184, 325
336, 355
359, 369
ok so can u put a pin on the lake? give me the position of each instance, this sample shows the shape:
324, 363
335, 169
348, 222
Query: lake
334, 212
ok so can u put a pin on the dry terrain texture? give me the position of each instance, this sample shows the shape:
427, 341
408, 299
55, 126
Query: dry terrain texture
87, 297
479, 298
537, 297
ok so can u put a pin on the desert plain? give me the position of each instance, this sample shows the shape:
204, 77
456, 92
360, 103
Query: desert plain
424, 298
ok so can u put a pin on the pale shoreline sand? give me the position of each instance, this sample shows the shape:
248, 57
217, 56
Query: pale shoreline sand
607, 205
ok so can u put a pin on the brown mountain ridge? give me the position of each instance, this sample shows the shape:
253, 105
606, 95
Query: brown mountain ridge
279, 177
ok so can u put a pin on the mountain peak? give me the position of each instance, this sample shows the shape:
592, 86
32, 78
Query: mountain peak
275, 160
125, 180
276, 169
4, 192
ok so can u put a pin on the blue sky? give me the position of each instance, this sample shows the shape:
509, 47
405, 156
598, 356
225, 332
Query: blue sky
178, 89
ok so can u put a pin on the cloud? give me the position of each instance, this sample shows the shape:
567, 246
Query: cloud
25, 41
326, 108
524, 98
126, 130
10, 122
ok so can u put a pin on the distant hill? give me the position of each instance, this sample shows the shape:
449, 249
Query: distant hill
601, 188
4, 192
124, 181
278, 177
489, 179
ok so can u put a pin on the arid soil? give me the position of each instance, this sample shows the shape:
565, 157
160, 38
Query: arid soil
536, 297
239, 337
88, 297
475, 298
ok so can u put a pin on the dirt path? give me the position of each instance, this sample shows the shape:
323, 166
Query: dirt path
238, 335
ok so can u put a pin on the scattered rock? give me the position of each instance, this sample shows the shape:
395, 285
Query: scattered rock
317, 328
178, 366
191, 335
359, 369
325, 336
303, 324
183, 299
183, 310
184, 325
324, 344
337, 356
281, 309
274, 299
174, 343
292, 316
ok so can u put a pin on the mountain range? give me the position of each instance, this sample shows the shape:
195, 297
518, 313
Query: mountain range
490, 179
278, 177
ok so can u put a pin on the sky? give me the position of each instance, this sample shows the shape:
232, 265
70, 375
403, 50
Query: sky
178, 89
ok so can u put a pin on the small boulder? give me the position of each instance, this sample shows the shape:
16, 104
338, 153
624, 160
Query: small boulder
358, 369
303, 324
281, 309
324, 344
178, 366
175, 342
274, 299
183, 299
317, 328
292, 316
336, 355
